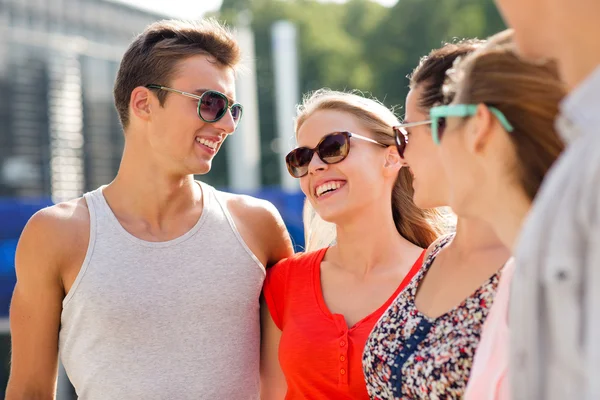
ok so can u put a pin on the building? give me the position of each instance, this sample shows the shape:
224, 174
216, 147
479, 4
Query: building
59, 132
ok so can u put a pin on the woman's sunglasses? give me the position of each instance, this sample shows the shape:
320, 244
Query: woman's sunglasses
438, 114
331, 149
401, 135
212, 105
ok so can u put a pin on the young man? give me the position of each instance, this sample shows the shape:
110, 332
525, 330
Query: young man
555, 307
150, 286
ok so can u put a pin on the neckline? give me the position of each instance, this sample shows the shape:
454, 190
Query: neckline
318, 289
206, 202
414, 288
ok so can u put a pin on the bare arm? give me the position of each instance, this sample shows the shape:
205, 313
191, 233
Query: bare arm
262, 228
272, 380
279, 238
37, 302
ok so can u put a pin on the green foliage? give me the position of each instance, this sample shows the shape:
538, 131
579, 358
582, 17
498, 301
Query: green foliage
356, 45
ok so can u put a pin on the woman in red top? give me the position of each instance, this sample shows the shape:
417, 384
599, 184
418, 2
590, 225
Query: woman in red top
322, 305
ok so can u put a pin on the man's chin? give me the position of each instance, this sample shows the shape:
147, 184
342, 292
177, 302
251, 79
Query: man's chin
202, 169
531, 53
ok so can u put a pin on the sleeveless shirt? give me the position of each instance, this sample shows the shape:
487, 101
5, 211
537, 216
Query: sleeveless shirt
164, 320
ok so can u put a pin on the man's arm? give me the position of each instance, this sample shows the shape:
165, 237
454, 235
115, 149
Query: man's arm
272, 380
277, 236
37, 302
262, 228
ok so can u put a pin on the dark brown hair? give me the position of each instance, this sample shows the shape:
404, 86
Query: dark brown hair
430, 74
528, 95
420, 227
153, 56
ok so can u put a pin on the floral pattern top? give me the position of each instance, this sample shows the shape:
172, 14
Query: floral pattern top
411, 356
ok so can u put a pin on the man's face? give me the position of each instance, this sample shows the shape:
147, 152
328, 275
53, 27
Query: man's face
180, 139
535, 25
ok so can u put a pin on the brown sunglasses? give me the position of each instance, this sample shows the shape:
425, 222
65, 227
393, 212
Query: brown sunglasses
331, 149
401, 134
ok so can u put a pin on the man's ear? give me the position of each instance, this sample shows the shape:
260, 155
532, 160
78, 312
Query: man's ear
140, 103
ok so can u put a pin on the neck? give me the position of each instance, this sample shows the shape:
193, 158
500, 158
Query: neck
577, 53
146, 191
473, 235
370, 239
507, 221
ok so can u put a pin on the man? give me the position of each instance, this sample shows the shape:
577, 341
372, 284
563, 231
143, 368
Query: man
150, 286
555, 307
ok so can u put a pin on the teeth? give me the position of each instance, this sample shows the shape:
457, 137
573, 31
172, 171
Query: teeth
207, 143
326, 187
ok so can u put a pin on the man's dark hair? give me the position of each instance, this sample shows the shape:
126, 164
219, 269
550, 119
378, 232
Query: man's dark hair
154, 55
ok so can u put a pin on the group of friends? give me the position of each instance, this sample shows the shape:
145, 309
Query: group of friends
452, 253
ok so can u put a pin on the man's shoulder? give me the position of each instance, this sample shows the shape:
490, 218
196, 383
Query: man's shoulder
64, 214
246, 206
61, 223
53, 237
590, 164
261, 225
576, 174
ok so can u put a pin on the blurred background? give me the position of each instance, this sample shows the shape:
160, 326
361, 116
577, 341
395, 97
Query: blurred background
59, 131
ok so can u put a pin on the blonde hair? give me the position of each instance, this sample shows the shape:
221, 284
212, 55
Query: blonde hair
318, 233
420, 227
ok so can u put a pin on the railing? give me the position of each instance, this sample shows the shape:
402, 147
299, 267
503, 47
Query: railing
15, 212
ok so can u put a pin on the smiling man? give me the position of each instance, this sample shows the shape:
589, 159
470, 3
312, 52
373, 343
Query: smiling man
150, 286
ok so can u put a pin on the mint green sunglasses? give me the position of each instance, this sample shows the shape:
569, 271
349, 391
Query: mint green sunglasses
461, 110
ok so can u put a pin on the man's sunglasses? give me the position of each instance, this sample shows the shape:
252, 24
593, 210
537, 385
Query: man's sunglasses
212, 105
461, 110
401, 135
331, 149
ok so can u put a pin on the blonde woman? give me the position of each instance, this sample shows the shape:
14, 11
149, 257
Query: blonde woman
321, 305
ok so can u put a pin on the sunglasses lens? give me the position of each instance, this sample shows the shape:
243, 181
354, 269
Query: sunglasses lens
298, 160
236, 113
401, 139
334, 148
212, 106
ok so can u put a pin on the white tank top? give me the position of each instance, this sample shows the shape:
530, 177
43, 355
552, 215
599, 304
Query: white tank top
164, 320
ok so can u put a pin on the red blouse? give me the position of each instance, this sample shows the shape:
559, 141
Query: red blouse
320, 356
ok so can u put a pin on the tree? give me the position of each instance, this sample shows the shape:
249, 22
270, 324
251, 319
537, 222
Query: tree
413, 27
356, 45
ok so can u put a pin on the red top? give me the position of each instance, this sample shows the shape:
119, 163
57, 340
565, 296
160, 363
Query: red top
320, 356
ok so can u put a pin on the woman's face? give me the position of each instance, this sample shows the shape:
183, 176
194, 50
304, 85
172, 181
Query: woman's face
363, 179
479, 160
422, 156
